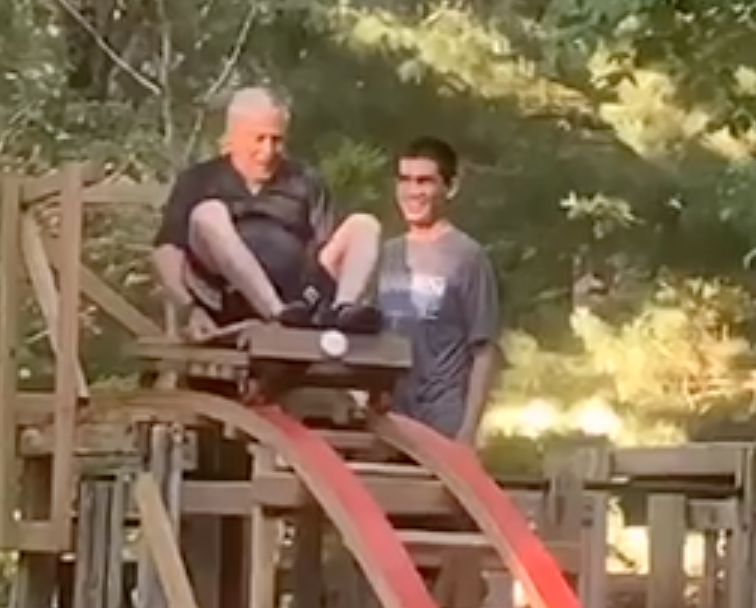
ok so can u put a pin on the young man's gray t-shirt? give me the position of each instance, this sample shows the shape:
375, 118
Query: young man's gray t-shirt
442, 296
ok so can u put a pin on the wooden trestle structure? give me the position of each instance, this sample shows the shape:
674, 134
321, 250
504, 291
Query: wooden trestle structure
202, 480
209, 491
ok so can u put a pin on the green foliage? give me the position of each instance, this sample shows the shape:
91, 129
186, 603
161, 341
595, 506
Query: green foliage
599, 138
678, 358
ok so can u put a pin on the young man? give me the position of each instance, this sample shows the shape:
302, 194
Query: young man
437, 287
251, 233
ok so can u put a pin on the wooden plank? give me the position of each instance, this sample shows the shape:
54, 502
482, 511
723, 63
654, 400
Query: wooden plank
10, 263
159, 537
126, 193
275, 343
681, 461
43, 282
104, 296
44, 187
282, 490
427, 548
38, 409
407, 471
91, 439
285, 491
36, 537
66, 401
487, 504
349, 440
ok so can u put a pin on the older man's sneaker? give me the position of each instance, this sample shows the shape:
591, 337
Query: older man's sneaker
297, 314
352, 318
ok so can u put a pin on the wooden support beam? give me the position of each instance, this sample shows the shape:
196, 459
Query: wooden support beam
45, 187
693, 460
123, 192
165, 471
9, 329
66, 399
158, 533
428, 549
43, 282
38, 409
107, 298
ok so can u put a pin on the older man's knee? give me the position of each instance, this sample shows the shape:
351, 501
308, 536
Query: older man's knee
210, 217
363, 225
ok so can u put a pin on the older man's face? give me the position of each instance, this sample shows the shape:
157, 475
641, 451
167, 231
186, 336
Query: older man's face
255, 142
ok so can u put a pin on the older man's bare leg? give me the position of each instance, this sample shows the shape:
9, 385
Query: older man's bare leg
351, 257
217, 244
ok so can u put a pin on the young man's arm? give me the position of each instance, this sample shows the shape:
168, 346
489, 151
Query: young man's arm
482, 308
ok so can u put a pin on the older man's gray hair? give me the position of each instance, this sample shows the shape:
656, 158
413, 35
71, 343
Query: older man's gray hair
251, 100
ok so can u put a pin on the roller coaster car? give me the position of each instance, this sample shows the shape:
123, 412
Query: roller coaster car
264, 360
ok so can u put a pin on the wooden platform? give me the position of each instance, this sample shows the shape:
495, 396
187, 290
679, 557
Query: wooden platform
371, 362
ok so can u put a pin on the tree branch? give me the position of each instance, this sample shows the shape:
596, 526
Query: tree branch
233, 57
231, 61
164, 71
107, 49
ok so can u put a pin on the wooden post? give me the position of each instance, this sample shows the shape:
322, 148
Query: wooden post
740, 541
43, 281
708, 593
165, 463
201, 534
667, 527
748, 472
595, 465
36, 582
264, 545
307, 567
100, 541
9, 305
66, 368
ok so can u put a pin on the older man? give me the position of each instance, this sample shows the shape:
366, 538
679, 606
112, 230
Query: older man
251, 233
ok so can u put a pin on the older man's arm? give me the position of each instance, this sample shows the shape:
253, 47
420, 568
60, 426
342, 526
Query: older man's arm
171, 244
168, 262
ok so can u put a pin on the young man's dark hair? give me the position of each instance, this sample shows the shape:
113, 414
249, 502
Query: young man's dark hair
437, 150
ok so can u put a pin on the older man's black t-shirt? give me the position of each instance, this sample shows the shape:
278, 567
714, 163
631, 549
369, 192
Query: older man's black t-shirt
296, 199
283, 223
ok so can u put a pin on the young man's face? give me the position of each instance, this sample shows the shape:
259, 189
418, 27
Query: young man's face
255, 142
421, 191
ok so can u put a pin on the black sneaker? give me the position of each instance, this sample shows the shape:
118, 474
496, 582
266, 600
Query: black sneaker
297, 314
353, 318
